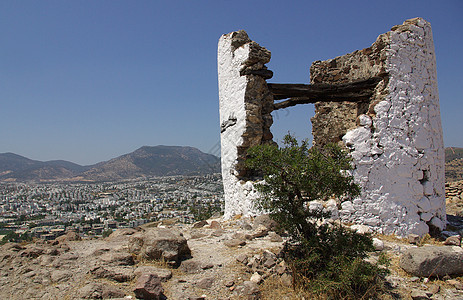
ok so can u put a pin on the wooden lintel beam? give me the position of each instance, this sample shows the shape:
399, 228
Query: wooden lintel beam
310, 93
304, 100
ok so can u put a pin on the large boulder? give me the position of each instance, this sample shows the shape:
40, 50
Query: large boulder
160, 243
433, 261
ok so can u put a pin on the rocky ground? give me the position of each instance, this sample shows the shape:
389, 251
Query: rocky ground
70, 268
235, 259
454, 198
454, 166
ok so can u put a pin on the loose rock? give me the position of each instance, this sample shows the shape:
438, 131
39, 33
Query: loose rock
215, 225
205, 283
256, 278
266, 221
234, 243
362, 229
274, 237
163, 274
118, 258
91, 291
191, 266
378, 244
149, 286
248, 290
160, 243
200, 224
414, 239
419, 295
433, 261
287, 280
261, 231
454, 240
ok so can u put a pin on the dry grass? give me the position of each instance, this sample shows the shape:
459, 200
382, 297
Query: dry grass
240, 272
395, 266
391, 238
274, 289
427, 239
159, 263
236, 217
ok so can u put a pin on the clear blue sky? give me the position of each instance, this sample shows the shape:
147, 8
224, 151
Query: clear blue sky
87, 81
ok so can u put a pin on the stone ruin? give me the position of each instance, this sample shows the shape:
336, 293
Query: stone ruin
381, 103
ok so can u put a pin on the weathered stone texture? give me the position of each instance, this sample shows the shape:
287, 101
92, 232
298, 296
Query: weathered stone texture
159, 244
332, 120
149, 286
245, 107
395, 138
433, 261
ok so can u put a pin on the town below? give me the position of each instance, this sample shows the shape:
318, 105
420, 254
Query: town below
48, 210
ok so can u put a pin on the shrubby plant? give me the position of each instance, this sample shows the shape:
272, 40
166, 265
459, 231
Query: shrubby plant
16, 237
326, 257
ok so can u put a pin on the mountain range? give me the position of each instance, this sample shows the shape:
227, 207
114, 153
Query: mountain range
146, 161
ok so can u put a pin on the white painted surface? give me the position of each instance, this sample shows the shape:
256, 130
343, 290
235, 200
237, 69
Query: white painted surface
398, 155
232, 87
400, 159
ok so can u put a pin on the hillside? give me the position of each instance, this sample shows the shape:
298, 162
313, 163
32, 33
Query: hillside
148, 161
453, 164
144, 162
452, 153
155, 161
16, 167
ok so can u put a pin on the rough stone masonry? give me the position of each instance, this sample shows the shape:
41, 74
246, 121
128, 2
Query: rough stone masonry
395, 137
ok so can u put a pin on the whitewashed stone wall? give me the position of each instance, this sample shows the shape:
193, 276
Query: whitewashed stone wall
245, 107
395, 140
399, 153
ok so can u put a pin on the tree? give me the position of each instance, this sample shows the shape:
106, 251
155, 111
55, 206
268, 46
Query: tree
321, 253
294, 175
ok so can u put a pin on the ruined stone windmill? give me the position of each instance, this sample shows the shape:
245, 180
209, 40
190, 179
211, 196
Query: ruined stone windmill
381, 102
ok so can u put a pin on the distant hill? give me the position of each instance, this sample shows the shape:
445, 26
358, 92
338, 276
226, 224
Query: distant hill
146, 161
452, 153
155, 161
453, 164
16, 167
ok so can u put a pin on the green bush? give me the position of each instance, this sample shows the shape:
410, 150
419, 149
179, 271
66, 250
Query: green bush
326, 258
16, 237
347, 279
